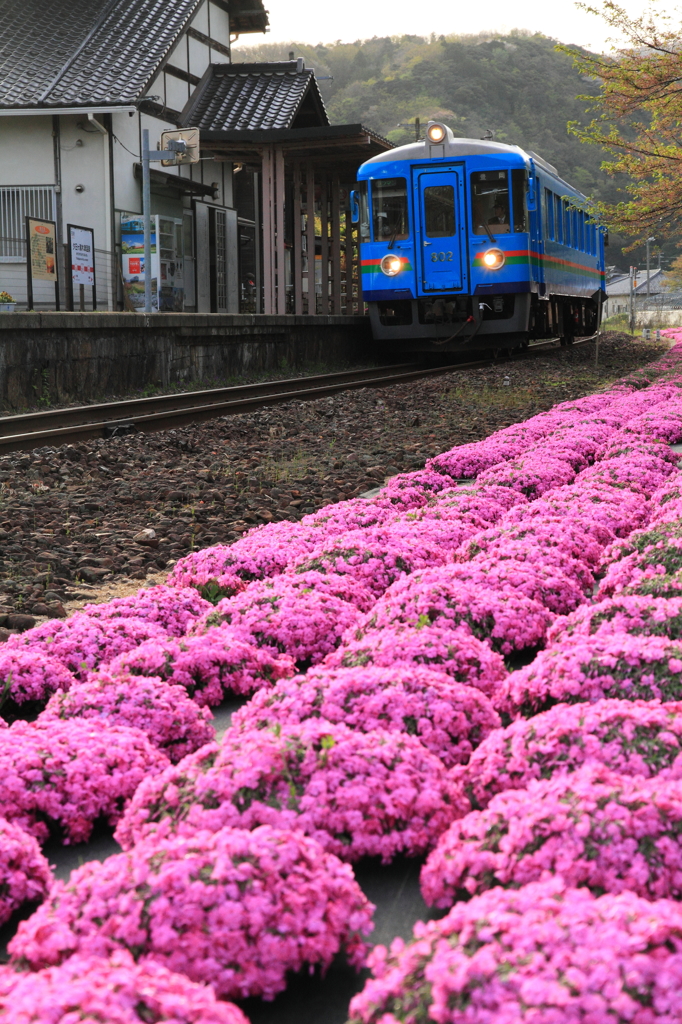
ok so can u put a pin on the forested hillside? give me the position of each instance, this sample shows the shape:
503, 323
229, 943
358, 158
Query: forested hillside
518, 86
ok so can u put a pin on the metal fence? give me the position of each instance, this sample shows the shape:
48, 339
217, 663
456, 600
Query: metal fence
13, 279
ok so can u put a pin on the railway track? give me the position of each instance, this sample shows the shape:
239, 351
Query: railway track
78, 423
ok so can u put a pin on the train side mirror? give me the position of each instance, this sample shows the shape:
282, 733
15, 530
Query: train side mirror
606, 238
354, 208
531, 198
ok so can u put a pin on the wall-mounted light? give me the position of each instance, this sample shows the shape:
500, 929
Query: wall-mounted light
80, 188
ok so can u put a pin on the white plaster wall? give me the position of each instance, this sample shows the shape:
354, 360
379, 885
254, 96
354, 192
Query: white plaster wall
27, 151
220, 28
200, 19
85, 157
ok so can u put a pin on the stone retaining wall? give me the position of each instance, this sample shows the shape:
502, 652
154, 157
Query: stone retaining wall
49, 358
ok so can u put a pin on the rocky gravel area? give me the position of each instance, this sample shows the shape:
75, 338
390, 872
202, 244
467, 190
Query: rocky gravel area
78, 517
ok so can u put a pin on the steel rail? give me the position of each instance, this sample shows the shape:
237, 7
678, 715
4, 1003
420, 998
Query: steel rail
54, 427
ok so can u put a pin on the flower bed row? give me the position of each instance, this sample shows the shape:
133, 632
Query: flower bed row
384, 721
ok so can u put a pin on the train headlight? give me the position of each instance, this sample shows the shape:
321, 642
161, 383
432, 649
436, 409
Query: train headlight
436, 132
493, 259
391, 265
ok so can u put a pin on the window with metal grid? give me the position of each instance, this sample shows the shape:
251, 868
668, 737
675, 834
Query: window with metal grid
16, 203
221, 260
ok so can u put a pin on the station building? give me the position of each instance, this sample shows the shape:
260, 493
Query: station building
260, 224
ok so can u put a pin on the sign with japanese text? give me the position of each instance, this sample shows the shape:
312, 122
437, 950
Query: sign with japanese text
82, 255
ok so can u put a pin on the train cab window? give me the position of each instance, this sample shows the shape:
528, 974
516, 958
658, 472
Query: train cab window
363, 224
389, 209
490, 203
549, 214
519, 188
439, 211
558, 219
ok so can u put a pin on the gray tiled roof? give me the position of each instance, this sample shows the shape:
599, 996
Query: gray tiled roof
237, 97
79, 52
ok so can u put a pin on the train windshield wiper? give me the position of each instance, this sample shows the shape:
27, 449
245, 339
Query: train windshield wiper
394, 233
488, 232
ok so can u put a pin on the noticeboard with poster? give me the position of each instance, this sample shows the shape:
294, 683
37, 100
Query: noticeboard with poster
166, 265
41, 262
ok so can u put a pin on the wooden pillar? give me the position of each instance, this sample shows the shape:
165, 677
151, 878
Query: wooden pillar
310, 234
324, 243
348, 262
268, 232
281, 277
297, 265
336, 245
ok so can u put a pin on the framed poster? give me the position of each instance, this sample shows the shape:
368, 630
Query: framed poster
41, 255
81, 243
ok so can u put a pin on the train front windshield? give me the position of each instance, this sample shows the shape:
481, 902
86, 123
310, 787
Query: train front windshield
493, 206
389, 209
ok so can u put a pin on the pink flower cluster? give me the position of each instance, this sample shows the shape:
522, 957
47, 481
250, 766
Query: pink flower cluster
27, 681
370, 794
115, 990
281, 616
232, 908
545, 953
172, 721
449, 718
63, 776
630, 737
174, 609
592, 827
208, 666
25, 875
455, 651
621, 665
81, 643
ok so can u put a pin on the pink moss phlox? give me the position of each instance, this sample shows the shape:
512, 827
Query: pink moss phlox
452, 650
375, 557
632, 613
638, 472
631, 737
233, 909
554, 541
25, 875
264, 551
548, 509
540, 582
617, 508
588, 668
28, 679
173, 609
531, 475
115, 990
664, 423
626, 444
354, 514
544, 952
208, 666
82, 644
506, 620
375, 794
449, 718
69, 774
612, 833
173, 722
283, 615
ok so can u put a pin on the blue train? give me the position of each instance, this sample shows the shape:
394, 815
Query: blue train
468, 243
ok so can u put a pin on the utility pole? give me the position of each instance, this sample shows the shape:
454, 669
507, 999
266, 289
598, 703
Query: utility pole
177, 148
648, 242
633, 286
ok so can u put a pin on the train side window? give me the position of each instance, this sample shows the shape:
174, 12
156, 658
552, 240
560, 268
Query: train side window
581, 230
439, 211
490, 202
558, 219
549, 214
389, 209
519, 188
567, 224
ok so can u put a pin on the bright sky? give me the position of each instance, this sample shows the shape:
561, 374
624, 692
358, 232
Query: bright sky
315, 21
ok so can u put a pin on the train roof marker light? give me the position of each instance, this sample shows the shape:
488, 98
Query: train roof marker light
437, 134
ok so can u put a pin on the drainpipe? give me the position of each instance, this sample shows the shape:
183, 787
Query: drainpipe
57, 154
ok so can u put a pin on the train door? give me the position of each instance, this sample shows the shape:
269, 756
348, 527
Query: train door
440, 204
